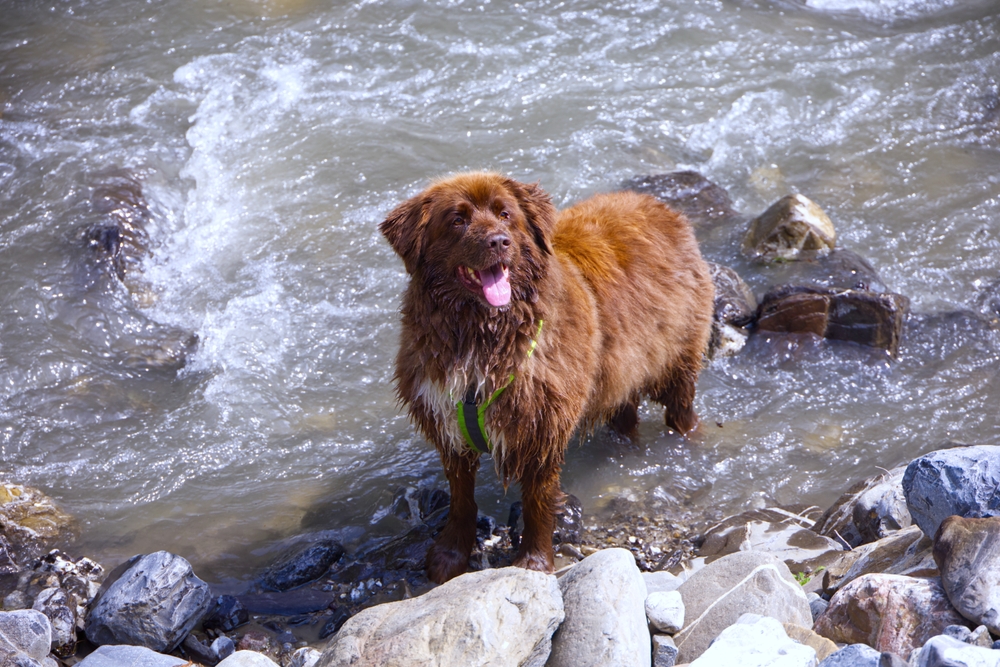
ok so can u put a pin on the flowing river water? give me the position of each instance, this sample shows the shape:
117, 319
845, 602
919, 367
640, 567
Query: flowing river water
271, 136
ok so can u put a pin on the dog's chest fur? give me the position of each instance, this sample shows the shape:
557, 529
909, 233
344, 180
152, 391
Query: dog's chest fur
442, 398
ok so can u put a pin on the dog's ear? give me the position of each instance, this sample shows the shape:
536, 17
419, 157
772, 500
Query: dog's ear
538, 210
404, 229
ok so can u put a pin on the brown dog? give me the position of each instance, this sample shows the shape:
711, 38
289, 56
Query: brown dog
533, 323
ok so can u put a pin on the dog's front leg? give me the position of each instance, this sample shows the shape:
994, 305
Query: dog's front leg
448, 557
540, 497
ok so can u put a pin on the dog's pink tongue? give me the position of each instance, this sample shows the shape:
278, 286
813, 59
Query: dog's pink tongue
496, 287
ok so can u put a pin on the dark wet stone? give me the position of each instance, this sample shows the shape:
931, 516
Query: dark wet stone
569, 521
300, 567
198, 651
838, 269
870, 510
226, 614
701, 200
793, 227
963, 481
290, 603
337, 619
120, 240
415, 505
856, 316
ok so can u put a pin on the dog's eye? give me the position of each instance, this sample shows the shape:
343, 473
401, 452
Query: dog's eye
458, 221
504, 215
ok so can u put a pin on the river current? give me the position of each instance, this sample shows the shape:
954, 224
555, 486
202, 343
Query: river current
270, 137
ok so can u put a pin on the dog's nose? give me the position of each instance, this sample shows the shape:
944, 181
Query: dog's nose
498, 241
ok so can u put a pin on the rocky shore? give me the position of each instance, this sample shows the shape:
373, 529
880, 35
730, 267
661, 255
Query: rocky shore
904, 569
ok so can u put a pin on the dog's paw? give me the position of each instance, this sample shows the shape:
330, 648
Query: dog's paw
444, 563
535, 560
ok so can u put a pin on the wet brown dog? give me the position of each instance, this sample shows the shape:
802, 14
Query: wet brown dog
533, 324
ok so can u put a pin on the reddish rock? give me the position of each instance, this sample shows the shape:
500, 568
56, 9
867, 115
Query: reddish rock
968, 553
888, 612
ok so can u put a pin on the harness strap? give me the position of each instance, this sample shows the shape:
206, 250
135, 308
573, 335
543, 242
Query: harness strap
472, 417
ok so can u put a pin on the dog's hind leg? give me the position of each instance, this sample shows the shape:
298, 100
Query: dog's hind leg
675, 392
448, 557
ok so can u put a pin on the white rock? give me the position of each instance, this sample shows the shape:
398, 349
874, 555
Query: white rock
605, 626
665, 611
944, 651
756, 641
247, 659
304, 657
112, 655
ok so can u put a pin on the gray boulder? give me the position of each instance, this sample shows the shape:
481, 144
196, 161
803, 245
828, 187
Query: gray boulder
757, 641
853, 655
968, 553
944, 651
604, 596
961, 480
744, 582
492, 617
155, 602
129, 656
25, 638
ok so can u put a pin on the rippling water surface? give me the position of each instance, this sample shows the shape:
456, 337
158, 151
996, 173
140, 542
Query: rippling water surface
270, 138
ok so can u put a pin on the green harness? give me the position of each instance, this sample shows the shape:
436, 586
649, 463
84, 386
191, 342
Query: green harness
472, 417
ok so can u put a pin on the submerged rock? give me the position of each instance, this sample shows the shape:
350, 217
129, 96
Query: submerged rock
868, 511
838, 269
32, 523
968, 553
888, 612
120, 239
792, 227
856, 316
745, 582
300, 567
701, 200
604, 597
963, 481
496, 617
154, 602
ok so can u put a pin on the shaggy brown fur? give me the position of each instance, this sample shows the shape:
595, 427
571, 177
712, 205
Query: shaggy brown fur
627, 305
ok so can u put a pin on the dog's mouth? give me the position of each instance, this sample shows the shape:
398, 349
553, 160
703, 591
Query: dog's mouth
493, 283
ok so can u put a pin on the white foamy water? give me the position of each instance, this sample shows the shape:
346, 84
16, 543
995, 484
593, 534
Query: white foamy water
271, 139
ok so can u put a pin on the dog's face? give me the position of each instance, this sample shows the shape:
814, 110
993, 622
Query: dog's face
477, 237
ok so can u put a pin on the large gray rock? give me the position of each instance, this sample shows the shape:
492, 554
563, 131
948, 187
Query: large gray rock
493, 617
756, 641
961, 480
968, 553
791, 228
745, 582
25, 638
853, 655
870, 510
888, 612
129, 656
155, 602
943, 651
605, 624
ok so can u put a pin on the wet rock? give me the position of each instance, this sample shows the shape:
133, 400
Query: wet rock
130, 656
665, 612
856, 316
870, 510
888, 612
31, 522
154, 602
415, 505
335, 622
604, 597
805, 636
664, 651
943, 651
734, 309
569, 521
59, 607
701, 200
164, 348
80, 577
120, 239
225, 614
906, 552
198, 651
758, 641
497, 617
963, 481
25, 638
744, 582
840, 268
300, 567
781, 531
792, 227
968, 553
223, 647
247, 659
854, 655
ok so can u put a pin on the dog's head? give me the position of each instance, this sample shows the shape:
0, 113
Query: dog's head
477, 236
